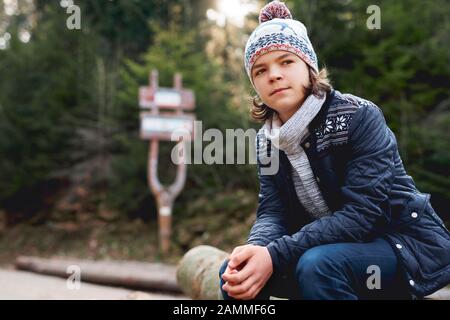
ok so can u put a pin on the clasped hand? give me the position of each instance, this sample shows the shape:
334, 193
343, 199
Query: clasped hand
248, 270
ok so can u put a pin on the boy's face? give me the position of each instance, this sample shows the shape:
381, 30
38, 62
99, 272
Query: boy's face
281, 69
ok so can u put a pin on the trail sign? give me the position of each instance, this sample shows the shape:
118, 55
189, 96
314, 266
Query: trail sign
166, 98
162, 126
157, 127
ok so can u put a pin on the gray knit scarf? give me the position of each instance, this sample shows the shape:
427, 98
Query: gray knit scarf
288, 138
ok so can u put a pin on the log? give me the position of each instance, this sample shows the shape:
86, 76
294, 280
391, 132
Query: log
198, 273
129, 274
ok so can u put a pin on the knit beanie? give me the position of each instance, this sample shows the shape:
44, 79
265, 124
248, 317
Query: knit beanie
278, 31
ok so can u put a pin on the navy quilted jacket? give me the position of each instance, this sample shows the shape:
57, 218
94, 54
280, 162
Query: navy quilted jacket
355, 160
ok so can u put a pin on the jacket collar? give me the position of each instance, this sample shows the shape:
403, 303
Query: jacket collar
320, 117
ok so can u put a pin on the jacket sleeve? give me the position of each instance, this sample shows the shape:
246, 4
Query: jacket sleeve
368, 180
270, 221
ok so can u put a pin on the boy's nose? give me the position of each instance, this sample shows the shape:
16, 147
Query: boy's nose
275, 75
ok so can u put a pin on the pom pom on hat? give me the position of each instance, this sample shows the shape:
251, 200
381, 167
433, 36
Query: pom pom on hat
274, 9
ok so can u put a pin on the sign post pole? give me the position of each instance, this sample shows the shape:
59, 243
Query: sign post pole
155, 98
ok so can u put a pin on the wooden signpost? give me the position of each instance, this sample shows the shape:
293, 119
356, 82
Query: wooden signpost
156, 127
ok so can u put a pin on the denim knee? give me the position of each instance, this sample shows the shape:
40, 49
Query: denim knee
313, 267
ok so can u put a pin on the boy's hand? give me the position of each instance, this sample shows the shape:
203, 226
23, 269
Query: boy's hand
236, 250
257, 268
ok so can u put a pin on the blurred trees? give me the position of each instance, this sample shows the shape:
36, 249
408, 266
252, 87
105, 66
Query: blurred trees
175, 50
68, 98
43, 94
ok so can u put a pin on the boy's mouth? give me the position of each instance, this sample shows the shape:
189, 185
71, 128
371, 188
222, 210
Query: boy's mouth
278, 90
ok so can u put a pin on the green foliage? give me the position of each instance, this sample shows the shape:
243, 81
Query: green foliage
41, 94
174, 50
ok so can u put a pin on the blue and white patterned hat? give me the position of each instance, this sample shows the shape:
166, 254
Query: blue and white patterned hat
278, 31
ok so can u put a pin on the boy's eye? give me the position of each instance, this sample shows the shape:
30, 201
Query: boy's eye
259, 72
262, 70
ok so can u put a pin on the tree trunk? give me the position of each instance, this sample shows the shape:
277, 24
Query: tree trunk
129, 274
198, 273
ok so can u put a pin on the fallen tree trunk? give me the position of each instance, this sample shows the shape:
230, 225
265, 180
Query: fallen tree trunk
198, 273
130, 274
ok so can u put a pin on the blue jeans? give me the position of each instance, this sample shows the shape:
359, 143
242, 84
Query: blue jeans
338, 271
